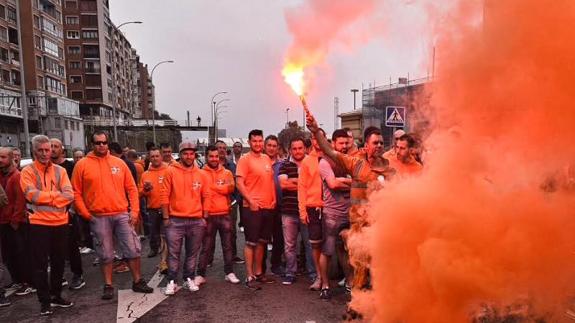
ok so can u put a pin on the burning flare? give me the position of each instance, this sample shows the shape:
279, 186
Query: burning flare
293, 75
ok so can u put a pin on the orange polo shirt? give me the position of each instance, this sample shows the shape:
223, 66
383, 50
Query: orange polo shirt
258, 176
156, 177
309, 188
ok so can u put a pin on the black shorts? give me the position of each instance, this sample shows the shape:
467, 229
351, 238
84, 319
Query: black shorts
314, 226
258, 225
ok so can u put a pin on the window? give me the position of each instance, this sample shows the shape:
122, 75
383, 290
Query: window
73, 50
55, 86
15, 77
71, 4
89, 20
39, 62
13, 36
73, 34
92, 67
4, 54
57, 123
75, 65
91, 51
6, 76
40, 82
72, 20
51, 28
37, 42
2, 12
11, 14
77, 95
50, 47
88, 5
3, 34
66, 124
93, 94
36, 22
52, 66
90, 34
75, 79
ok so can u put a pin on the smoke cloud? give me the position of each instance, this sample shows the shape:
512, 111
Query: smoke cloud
490, 224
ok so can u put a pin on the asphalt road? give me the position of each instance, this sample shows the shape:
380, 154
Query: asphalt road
216, 301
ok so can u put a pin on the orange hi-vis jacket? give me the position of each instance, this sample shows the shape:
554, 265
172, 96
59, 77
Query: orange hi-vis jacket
184, 191
48, 193
156, 177
309, 189
221, 186
101, 185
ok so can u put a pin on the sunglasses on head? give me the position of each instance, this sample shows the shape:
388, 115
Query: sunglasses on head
100, 143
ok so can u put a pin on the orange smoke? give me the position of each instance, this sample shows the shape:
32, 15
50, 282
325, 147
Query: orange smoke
316, 26
492, 218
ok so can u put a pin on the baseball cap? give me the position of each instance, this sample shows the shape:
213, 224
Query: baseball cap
398, 133
187, 145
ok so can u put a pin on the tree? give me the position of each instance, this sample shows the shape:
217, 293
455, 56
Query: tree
293, 130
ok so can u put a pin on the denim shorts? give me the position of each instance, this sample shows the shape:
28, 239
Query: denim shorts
114, 232
333, 223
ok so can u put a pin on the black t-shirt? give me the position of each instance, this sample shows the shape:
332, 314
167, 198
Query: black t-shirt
69, 166
289, 204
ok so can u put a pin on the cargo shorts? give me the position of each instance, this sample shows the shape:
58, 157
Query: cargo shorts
108, 229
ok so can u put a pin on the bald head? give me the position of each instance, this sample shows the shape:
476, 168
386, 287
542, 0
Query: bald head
6, 158
57, 154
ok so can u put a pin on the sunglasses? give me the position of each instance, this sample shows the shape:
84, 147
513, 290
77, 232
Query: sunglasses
100, 143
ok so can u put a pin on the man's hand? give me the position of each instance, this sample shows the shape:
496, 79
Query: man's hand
304, 218
254, 206
15, 225
311, 123
133, 220
148, 186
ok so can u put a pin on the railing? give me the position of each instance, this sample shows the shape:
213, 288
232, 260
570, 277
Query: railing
108, 122
14, 112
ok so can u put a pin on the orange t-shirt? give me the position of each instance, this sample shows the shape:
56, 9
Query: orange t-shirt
309, 186
258, 176
413, 167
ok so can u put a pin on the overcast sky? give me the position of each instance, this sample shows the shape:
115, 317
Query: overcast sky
220, 45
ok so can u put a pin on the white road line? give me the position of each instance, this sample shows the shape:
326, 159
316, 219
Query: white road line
132, 306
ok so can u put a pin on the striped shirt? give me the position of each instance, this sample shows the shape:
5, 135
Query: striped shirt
289, 203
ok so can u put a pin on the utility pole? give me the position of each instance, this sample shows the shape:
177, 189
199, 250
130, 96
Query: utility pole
335, 113
354, 91
23, 98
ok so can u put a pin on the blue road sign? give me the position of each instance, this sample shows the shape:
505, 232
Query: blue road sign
395, 117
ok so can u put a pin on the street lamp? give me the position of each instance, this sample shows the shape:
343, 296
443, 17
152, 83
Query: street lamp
199, 120
216, 110
287, 117
154, 98
114, 95
213, 112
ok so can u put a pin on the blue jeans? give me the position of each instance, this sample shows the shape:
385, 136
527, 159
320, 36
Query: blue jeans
223, 225
291, 226
191, 230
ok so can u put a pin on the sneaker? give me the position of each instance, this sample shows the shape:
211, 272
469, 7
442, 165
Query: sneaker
77, 282
24, 290
231, 277
142, 287
121, 267
288, 280
316, 286
86, 250
46, 309
191, 284
325, 293
238, 260
171, 288
347, 289
199, 280
64, 282
341, 283
108, 292
60, 302
264, 279
251, 283
13, 286
4, 300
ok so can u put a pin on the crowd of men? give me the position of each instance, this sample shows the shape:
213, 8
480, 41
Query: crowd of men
313, 197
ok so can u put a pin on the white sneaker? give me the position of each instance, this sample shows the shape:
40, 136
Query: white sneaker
171, 288
231, 277
199, 280
86, 250
191, 285
341, 283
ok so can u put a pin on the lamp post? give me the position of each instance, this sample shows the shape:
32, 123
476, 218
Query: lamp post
287, 118
154, 98
213, 112
114, 94
199, 120
216, 110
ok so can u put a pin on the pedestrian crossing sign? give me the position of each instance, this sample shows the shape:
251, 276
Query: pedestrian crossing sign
395, 117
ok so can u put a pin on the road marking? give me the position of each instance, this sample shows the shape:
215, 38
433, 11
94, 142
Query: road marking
132, 306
